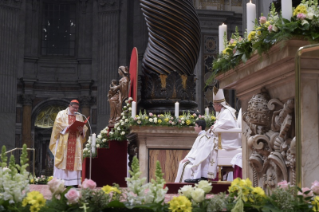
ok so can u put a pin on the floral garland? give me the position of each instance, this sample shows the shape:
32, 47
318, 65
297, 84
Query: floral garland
122, 128
270, 30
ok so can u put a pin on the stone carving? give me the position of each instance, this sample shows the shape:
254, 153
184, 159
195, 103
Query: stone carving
117, 94
268, 127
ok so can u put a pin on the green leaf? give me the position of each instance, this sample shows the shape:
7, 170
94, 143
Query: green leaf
115, 204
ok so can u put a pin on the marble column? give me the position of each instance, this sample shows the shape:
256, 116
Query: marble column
106, 42
26, 120
11, 44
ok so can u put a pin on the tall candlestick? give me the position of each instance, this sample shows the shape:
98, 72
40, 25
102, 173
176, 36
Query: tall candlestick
133, 109
251, 16
176, 109
93, 142
286, 9
207, 111
221, 31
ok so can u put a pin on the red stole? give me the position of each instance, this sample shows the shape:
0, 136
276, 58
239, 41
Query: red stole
71, 147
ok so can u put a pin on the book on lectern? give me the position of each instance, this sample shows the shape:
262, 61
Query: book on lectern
76, 124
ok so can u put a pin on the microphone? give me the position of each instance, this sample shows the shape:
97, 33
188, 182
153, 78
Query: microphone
77, 113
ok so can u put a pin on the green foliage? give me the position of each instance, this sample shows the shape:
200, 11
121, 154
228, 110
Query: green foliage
4, 157
159, 174
135, 166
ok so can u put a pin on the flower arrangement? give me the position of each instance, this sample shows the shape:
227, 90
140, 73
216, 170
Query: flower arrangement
166, 119
122, 128
268, 31
40, 180
14, 181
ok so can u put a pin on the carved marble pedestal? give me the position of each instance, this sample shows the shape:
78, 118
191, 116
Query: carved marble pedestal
167, 144
269, 153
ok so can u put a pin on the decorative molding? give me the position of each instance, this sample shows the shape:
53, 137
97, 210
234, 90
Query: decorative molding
108, 5
27, 99
268, 127
11, 3
83, 6
86, 101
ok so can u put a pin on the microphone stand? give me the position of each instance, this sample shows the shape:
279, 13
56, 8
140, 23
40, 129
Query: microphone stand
90, 170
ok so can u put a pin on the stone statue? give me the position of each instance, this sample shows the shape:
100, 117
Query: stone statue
117, 94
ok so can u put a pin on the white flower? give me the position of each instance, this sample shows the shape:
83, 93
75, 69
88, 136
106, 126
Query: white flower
87, 145
138, 118
303, 22
139, 121
126, 101
130, 98
183, 122
99, 136
122, 123
126, 120
205, 185
155, 120
104, 140
122, 133
85, 150
186, 191
150, 120
115, 125
124, 107
89, 141
198, 195
118, 128
111, 133
106, 128
97, 145
129, 108
310, 15
274, 28
122, 114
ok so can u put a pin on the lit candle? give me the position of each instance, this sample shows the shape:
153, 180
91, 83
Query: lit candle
93, 142
286, 9
176, 109
251, 16
221, 31
207, 111
133, 109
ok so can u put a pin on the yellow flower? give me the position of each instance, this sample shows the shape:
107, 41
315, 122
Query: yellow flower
146, 117
188, 122
259, 191
258, 31
251, 35
108, 189
267, 24
300, 9
50, 178
35, 199
159, 121
32, 181
167, 119
180, 204
225, 50
213, 118
315, 203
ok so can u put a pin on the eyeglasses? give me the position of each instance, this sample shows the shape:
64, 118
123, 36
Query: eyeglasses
75, 108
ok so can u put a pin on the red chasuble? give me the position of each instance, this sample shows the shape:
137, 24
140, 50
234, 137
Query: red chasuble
70, 156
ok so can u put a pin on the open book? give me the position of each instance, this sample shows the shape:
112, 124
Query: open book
76, 124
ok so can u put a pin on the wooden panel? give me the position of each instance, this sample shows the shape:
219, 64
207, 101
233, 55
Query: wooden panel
169, 159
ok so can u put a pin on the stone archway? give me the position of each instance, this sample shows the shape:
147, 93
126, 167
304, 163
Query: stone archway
42, 120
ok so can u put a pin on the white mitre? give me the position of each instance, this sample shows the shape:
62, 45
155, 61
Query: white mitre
218, 97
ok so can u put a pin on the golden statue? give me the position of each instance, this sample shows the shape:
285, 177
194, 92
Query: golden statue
117, 94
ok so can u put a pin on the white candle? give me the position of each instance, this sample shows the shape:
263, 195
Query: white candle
221, 31
133, 109
176, 109
207, 111
251, 16
93, 142
286, 9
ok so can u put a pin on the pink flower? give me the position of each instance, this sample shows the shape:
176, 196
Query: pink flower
231, 41
179, 120
73, 196
262, 19
158, 116
270, 28
89, 184
301, 16
283, 184
135, 118
150, 114
170, 121
194, 115
240, 39
200, 116
310, 194
315, 187
56, 186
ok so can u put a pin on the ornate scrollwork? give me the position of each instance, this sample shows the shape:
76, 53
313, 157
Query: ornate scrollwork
268, 128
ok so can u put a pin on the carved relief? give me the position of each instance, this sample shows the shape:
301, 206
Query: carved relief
268, 127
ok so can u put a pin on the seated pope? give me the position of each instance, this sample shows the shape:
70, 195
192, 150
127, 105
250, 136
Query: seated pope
201, 161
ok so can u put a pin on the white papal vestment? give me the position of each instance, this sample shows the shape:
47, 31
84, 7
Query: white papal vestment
202, 158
